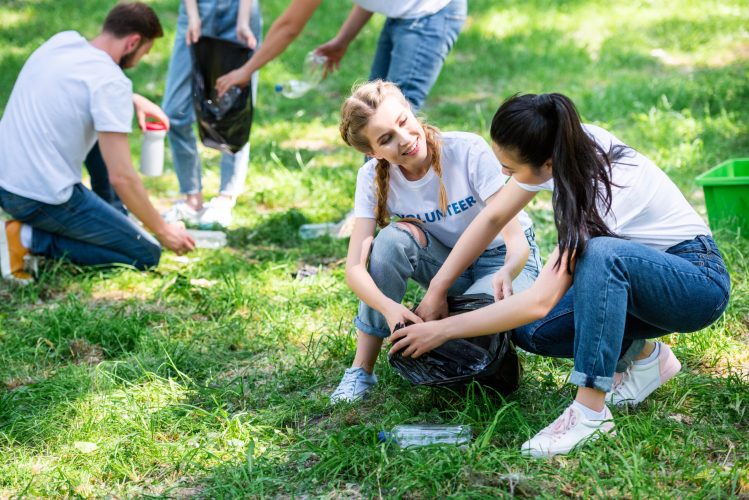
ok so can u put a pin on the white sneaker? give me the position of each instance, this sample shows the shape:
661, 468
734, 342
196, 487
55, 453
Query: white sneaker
571, 429
354, 385
639, 381
182, 211
217, 212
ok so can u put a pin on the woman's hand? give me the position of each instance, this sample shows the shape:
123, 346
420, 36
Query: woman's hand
433, 306
416, 340
334, 50
398, 314
193, 30
502, 283
237, 77
246, 36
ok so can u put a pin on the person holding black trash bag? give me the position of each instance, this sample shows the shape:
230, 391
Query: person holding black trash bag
233, 20
70, 92
414, 42
634, 261
436, 183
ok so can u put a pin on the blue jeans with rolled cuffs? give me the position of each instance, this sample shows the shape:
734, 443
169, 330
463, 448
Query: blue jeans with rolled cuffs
411, 52
396, 256
219, 19
623, 293
85, 229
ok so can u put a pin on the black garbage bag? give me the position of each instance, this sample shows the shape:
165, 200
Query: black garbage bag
224, 123
490, 359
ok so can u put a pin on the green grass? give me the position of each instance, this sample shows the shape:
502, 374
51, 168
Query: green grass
209, 376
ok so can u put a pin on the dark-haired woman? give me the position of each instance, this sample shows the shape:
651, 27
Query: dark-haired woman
634, 261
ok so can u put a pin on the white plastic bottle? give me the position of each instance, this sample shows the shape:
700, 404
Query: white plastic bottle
423, 435
312, 74
152, 150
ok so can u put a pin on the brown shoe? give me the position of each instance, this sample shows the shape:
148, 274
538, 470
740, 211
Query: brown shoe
12, 253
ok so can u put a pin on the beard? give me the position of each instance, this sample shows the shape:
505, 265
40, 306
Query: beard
128, 60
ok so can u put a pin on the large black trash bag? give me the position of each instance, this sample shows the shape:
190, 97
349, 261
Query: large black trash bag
224, 123
490, 359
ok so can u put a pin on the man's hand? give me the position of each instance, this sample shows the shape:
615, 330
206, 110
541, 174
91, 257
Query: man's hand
176, 238
148, 109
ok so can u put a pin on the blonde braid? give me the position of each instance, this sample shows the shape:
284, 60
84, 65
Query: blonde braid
382, 184
434, 145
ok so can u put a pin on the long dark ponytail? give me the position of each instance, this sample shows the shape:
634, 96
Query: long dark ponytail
543, 127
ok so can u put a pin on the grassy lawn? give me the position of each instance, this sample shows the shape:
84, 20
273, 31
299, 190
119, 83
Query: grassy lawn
209, 376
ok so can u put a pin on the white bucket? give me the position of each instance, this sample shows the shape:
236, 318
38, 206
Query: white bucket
152, 151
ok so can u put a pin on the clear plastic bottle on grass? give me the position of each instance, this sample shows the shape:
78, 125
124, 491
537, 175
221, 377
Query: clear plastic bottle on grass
422, 435
208, 239
312, 74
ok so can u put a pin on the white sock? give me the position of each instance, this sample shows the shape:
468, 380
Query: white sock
652, 357
589, 413
26, 235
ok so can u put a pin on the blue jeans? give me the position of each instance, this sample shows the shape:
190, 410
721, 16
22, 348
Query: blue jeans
218, 18
397, 256
411, 52
100, 184
625, 292
85, 229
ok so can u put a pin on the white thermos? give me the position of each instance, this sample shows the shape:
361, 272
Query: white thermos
152, 151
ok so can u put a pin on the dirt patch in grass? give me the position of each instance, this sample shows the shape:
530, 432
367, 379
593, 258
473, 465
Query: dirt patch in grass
85, 353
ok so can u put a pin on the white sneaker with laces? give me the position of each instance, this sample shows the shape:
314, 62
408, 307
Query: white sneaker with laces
354, 385
217, 212
639, 381
569, 430
182, 211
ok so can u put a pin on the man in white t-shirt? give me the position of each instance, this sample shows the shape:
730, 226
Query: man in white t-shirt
70, 93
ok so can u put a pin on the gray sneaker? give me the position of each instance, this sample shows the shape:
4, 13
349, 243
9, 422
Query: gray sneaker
355, 384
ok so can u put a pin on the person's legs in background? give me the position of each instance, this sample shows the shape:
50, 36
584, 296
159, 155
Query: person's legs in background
234, 167
411, 52
178, 107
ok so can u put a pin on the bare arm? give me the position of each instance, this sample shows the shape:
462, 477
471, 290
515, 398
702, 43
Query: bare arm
193, 22
360, 281
336, 48
512, 312
281, 33
116, 152
502, 207
244, 33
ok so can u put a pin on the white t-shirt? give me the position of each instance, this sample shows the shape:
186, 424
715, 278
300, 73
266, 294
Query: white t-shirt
646, 206
67, 91
471, 174
403, 9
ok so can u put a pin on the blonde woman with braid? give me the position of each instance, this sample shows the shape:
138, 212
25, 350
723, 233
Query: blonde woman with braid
435, 184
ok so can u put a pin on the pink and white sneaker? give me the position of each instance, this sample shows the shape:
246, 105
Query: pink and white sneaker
639, 381
570, 429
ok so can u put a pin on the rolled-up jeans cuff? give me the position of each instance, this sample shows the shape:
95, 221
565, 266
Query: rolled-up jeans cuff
370, 330
591, 381
629, 355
